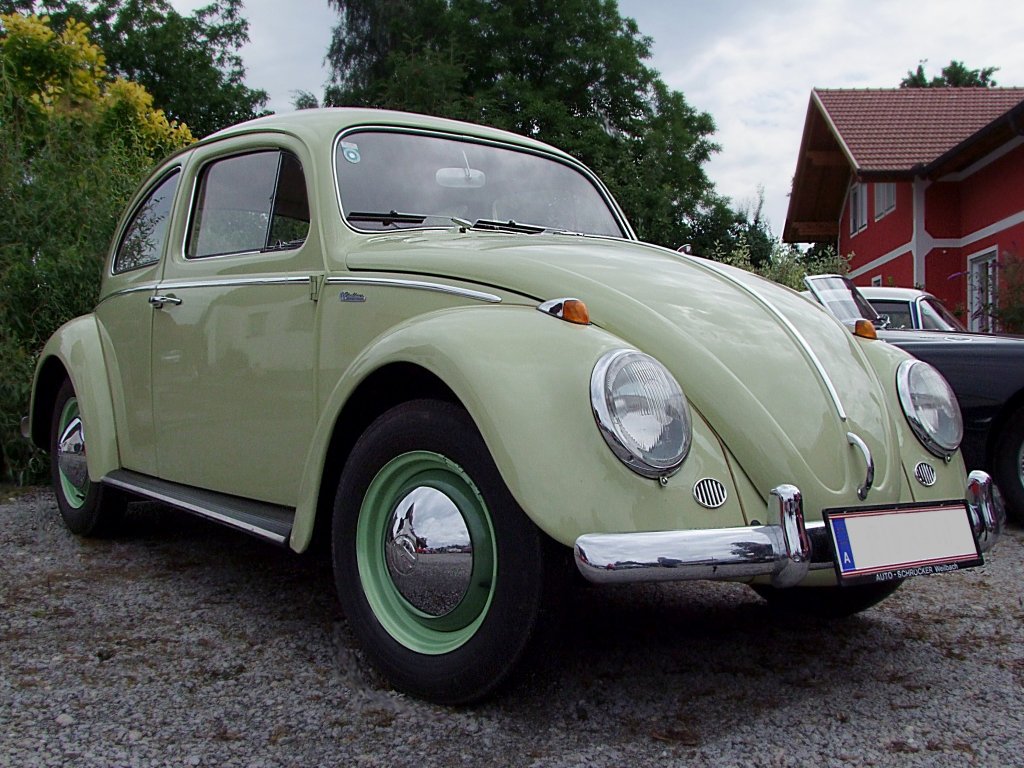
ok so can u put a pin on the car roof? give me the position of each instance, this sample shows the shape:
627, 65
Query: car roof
893, 294
327, 122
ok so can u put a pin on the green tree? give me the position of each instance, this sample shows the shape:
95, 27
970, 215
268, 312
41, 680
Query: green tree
571, 73
955, 74
189, 64
74, 143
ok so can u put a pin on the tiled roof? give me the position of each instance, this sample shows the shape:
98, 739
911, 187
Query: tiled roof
897, 129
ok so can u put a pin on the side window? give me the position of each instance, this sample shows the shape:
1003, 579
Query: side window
253, 202
143, 240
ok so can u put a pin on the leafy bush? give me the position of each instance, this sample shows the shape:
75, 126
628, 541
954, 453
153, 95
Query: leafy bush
73, 147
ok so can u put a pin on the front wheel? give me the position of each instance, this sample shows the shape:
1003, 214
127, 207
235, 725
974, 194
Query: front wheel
439, 571
1008, 465
88, 508
826, 602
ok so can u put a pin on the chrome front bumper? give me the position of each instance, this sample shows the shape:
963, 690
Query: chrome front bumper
784, 549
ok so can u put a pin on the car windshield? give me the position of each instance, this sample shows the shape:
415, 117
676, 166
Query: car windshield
839, 297
389, 180
935, 316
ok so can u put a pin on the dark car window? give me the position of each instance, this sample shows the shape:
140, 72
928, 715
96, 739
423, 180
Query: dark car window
435, 178
246, 203
898, 312
143, 240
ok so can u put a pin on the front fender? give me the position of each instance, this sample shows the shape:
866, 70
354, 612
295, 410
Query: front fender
75, 351
524, 378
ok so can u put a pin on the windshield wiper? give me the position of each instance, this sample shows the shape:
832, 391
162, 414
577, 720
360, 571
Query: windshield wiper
387, 219
508, 226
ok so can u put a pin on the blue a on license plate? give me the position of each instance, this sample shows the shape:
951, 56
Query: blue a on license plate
875, 544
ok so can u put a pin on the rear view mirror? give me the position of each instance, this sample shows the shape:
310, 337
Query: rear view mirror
460, 178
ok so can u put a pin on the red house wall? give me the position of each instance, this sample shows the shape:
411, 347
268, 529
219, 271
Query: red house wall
882, 236
993, 193
942, 209
899, 271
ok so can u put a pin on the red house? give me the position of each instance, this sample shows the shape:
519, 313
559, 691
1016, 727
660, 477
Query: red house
921, 186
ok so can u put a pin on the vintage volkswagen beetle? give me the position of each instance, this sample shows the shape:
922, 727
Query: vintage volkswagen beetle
442, 347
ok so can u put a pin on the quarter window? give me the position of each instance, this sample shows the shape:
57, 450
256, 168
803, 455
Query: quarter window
144, 239
254, 202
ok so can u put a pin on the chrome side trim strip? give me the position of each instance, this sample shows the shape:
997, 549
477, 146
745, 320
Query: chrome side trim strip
416, 285
781, 550
774, 311
233, 282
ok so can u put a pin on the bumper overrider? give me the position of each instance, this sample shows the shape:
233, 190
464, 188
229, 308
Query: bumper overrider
784, 549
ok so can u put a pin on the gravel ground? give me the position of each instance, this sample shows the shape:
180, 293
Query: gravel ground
184, 644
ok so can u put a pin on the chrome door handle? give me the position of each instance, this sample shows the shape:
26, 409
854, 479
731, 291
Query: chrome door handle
159, 301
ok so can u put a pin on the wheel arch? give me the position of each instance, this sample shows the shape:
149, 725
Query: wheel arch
530, 403
1012, 404
75, 352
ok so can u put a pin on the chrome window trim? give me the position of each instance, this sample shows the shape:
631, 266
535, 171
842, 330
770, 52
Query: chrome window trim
203, 165
389, 282
571, 162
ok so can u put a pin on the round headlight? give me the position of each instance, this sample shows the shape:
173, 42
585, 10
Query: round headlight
930, 407
641, 411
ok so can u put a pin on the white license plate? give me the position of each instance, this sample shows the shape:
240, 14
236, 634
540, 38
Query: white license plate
880, 544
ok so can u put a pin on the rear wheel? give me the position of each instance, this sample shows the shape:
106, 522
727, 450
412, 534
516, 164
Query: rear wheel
439, 571
88, 508
826, 602
1008, 465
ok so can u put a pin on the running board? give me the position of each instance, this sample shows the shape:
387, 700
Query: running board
267, 521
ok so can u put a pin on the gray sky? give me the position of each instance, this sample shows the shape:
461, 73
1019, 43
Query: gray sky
751, 64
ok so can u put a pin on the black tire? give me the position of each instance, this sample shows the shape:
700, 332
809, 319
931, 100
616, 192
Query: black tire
461, 651
88, 508
1008, 466
826, 602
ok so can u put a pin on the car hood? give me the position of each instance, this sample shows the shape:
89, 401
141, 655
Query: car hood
755, 359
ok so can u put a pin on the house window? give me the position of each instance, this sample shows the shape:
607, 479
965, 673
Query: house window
876, 281
858, 208
982, 291
885, 199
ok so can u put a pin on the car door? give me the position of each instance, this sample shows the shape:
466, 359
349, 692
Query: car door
233, 332
125, 317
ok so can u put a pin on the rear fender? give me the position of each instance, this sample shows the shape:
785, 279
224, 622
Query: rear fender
74, 351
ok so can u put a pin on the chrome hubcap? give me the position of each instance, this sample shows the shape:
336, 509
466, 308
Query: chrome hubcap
1020, 464
71, 455
429, 551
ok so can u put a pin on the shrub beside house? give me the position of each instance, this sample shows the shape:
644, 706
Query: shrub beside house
922, 186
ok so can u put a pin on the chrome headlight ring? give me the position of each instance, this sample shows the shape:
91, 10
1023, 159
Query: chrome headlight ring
641, 412
931, 407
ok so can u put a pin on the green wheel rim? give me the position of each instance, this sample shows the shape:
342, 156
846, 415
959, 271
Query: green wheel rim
416, 630
74, 495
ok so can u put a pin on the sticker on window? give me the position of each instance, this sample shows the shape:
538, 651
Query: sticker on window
350, 151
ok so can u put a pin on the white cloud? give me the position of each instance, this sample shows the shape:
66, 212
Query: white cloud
750, 64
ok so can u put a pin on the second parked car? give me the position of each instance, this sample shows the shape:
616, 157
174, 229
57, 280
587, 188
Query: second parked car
985, 371
910, 309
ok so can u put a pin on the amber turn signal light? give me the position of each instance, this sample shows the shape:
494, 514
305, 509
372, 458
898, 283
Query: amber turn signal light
865, 329
570, 310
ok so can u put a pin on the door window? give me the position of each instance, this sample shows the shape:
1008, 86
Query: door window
246, 203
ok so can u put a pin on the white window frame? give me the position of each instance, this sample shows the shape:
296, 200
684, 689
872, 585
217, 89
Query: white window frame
876, 281
885, 199
858, 208
982, 290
